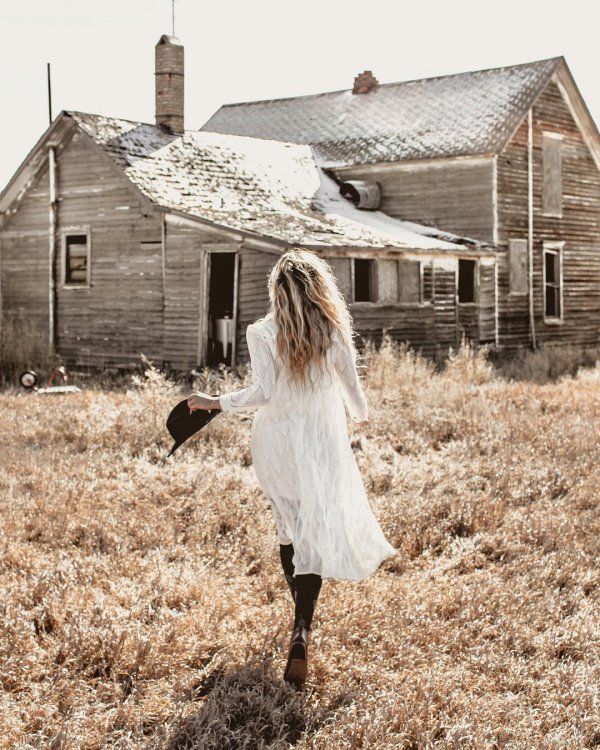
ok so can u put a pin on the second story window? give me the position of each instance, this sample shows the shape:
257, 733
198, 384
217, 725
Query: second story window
552, 272
552, 174
76, 258
467, 280
364, 280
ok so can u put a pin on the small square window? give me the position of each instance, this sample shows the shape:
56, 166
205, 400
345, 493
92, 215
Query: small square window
76, 259
466, 280
364, 282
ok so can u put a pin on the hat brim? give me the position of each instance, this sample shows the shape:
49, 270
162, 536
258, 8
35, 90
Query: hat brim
182, 424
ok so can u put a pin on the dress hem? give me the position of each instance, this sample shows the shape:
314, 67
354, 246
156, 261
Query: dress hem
356, 579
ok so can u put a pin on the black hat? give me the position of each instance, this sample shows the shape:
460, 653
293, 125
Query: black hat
181, 424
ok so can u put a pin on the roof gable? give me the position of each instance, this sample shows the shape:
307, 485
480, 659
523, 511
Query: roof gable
454, 115
579, 110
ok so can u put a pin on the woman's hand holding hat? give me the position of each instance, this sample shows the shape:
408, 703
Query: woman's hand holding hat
199, 400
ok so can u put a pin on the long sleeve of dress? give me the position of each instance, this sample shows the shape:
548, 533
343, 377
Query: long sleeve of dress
263, 377
352, 389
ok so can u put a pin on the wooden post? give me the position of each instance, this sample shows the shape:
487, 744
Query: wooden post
52, 250
530, 223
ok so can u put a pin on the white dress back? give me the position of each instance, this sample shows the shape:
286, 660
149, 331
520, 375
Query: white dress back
303, 459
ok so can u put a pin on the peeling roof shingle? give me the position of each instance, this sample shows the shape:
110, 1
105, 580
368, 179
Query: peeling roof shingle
267, 188
454, 115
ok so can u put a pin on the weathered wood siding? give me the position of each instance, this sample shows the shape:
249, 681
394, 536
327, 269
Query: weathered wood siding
253, 299
429, 327
579, 228
455, 195
24, 258
119, 315
487, 303
184, 282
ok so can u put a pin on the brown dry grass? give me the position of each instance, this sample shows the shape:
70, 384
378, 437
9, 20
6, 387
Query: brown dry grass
143, 605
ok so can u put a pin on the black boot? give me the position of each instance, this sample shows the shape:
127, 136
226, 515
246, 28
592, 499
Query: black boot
308, 587
296, 668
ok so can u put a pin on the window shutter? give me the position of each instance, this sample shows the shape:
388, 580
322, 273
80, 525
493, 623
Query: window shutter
552, 174
517, 258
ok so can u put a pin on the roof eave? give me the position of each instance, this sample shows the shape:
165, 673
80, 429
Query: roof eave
579, 109
279, 244
532, 100
238, 235
33, 162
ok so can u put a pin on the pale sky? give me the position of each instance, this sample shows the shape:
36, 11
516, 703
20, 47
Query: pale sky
102, 52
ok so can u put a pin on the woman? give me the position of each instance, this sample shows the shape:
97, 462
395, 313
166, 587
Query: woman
304, 365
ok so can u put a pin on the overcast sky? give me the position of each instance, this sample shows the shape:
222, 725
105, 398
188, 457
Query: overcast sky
102, 53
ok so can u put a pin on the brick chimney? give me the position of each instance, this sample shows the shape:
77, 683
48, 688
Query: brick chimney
364, 82
168, 71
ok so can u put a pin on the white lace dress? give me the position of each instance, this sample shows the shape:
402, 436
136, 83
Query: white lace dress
304, 462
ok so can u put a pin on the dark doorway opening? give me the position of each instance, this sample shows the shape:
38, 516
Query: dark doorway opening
221, 300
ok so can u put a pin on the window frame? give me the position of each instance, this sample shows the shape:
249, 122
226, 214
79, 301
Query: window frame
65, 233
551, 136
374, 286
557, 248
475, 301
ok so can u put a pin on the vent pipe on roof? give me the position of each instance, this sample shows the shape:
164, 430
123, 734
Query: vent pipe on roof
169, 79
364, 82
364, 195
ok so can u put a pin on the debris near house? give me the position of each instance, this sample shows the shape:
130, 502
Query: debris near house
29, 380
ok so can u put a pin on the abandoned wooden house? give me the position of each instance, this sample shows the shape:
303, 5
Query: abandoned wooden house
509, 156
464, 205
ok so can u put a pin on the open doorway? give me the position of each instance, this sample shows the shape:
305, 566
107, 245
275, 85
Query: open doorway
222, 298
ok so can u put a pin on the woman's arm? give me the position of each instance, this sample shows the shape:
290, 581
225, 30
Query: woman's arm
261, 389
354, 395
257, 393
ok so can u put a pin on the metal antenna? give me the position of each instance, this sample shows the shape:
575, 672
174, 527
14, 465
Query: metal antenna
173, 15
49, 92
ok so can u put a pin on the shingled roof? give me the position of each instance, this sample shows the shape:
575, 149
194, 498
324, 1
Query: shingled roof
453, 115
266, 188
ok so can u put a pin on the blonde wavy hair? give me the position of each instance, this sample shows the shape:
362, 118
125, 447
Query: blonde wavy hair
307, 306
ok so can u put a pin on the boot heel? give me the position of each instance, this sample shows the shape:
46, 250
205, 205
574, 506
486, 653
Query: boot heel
297, 662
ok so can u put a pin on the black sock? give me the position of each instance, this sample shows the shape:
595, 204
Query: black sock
308, 587
286, 552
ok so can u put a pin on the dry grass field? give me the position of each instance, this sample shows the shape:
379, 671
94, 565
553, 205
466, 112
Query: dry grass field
143, 604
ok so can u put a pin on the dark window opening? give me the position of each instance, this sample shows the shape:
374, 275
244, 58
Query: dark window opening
552, 283
363, 280
76, 259
466, 280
